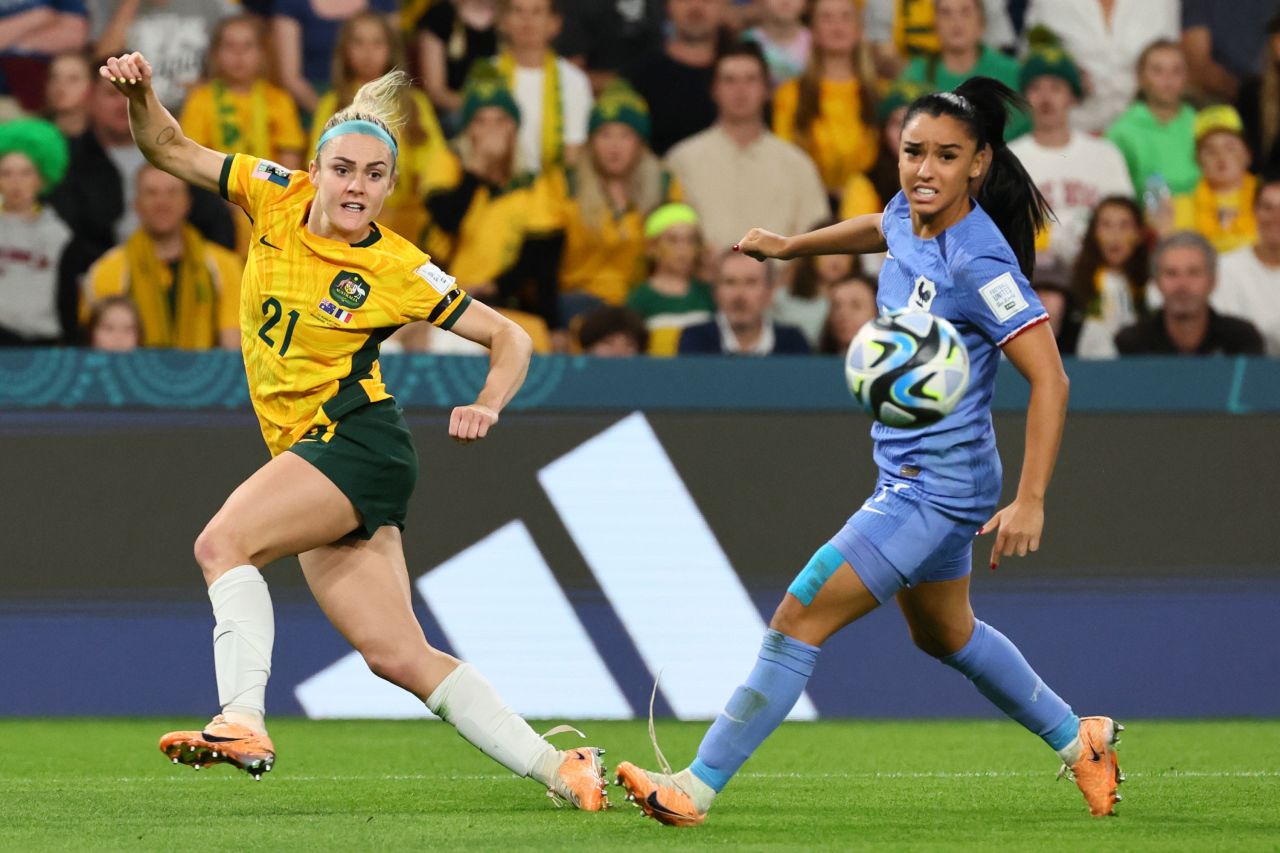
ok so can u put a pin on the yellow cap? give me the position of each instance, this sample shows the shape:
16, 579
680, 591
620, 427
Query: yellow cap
1218, 118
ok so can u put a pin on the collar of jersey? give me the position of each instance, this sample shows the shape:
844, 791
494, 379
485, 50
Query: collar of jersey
375, 234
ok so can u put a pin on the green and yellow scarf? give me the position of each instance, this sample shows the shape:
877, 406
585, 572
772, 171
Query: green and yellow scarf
185, 319
232, 137
1226, 229
552, 110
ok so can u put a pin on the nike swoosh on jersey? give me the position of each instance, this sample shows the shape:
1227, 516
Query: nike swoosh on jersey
263, 241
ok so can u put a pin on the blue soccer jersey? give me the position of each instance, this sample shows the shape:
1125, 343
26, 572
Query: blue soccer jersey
969, 275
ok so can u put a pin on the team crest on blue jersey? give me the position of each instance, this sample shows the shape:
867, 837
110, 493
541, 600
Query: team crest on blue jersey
922, 293
349, 289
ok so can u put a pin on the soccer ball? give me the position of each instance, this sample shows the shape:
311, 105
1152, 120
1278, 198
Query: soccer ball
907, 369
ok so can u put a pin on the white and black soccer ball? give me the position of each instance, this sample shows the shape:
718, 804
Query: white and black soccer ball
907, 369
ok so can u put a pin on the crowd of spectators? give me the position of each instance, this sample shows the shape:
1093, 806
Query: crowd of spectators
583, 165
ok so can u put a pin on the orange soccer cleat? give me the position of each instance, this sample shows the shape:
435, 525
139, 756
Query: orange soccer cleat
1097, 772
580, 779
222, 742
659, 796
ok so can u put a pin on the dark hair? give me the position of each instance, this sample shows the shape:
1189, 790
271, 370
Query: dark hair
608, 320
1083, 290
100, 308
1266, 179
749, 49
1007, 193
827, 340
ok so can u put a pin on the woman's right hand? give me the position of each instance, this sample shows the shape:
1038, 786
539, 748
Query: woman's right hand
761, 245
131, 74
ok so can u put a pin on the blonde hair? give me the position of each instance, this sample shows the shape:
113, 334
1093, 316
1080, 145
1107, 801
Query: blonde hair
342, 76
259, 30
645, 183
809, 84
377, 101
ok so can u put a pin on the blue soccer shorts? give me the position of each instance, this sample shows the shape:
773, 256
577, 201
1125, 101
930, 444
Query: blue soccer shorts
898, 538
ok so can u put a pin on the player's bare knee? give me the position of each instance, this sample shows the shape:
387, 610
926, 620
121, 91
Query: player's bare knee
939, 642
796, 621
785, 617
929, 644
216, 551
398, 666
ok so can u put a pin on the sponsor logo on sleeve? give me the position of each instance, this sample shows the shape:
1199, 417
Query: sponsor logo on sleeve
271, 172
439, 280
1003, 297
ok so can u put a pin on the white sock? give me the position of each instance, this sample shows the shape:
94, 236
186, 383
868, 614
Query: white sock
700, 792
468, 702
1070, 753
242, 640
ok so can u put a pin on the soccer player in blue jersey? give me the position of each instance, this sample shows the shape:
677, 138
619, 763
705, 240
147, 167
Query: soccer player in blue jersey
960, 242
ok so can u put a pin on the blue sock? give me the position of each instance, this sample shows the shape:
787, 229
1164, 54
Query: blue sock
756, 708
1002, 674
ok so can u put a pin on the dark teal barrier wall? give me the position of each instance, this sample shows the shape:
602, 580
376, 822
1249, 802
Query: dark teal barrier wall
67, 378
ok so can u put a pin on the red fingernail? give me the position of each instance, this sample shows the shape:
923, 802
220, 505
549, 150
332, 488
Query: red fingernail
981, 530
993, 567
737, 247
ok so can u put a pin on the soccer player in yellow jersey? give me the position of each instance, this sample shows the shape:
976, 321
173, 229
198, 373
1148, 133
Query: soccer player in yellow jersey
323, 287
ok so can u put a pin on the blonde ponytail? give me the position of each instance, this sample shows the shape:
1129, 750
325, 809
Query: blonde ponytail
377, 101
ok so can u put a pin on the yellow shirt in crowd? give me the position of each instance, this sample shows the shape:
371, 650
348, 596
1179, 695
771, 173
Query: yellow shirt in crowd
606, 261
839, 143
262, 122
402, 211
151, 284
1225, 219
859, 197
496, 224
313, 311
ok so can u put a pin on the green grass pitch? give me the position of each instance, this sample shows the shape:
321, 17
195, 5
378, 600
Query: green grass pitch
102, 784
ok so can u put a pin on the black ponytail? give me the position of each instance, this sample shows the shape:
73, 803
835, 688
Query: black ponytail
1008, 194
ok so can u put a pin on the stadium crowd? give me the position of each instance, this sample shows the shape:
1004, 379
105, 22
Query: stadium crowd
584, 165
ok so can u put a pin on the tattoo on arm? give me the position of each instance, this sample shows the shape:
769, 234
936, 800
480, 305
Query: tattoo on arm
166, 136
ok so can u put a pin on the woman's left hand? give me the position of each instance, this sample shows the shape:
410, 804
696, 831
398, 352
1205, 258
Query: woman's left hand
1019, 526
471, 423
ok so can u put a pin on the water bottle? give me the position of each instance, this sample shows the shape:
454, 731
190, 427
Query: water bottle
1155, 196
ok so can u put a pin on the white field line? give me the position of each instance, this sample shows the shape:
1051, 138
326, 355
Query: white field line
494, 777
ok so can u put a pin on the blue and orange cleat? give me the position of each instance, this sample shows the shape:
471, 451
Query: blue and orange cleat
1097, 771
221, 742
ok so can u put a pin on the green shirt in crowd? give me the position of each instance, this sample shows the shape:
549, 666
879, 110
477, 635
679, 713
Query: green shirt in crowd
991, 63
696, 306
1154, 148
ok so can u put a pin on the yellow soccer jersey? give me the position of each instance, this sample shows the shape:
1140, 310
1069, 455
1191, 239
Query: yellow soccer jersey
313, 311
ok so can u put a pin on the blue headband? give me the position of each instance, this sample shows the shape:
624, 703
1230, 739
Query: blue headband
368, 128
